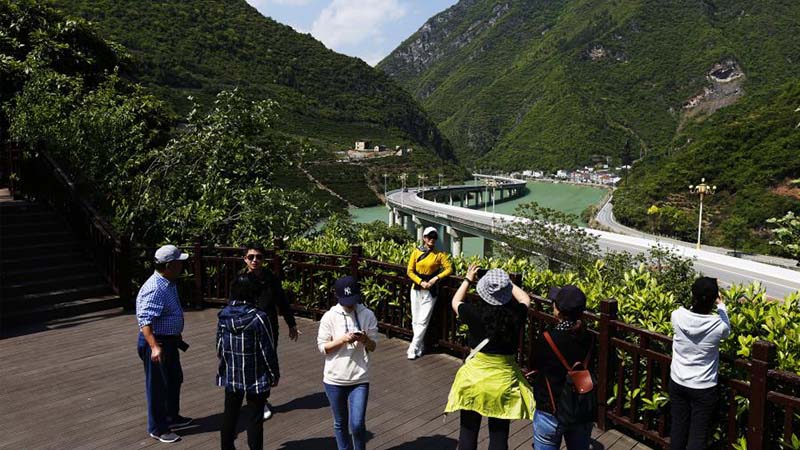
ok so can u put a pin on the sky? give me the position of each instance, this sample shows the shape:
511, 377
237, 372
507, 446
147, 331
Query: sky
366, 29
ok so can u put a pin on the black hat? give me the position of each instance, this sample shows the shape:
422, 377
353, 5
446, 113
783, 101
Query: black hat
705, 289
570, 300
347, 291
245, 289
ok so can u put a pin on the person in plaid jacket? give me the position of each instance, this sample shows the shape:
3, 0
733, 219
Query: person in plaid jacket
248, 363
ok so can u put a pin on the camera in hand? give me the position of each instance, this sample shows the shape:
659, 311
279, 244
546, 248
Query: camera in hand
482, 272
183, 346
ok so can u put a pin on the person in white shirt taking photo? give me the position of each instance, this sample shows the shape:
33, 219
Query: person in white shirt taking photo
694, 373
347, 334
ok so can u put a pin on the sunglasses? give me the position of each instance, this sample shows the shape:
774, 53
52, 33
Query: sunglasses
253, 257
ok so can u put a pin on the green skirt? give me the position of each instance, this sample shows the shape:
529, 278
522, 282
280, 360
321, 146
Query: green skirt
492, 386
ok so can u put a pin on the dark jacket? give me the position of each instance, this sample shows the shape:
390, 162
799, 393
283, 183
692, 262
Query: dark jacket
248, 361
273, 300
574, 346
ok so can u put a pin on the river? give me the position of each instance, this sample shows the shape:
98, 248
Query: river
564, 197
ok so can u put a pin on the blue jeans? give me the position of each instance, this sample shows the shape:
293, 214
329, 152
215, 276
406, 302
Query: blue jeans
547, 436
349, 405
162, 383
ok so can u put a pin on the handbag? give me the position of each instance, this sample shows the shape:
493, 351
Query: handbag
577, 403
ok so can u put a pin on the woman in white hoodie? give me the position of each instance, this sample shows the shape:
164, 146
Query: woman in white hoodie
347, 334
695, 365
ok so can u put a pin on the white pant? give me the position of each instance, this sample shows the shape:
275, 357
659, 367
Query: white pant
421, 310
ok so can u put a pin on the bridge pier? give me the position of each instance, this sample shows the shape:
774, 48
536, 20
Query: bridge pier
408, 223
456, 240
487, 247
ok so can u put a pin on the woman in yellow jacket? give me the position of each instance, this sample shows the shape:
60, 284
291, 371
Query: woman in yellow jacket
426, 267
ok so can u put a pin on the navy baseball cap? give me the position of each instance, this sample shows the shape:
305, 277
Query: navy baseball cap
570, 299
347, 291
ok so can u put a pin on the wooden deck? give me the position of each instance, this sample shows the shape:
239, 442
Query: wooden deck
78, 384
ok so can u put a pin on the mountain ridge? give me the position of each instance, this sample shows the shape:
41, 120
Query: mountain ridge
675, 88
505, 78
200, 47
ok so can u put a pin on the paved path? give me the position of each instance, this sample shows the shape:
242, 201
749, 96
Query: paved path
78, 384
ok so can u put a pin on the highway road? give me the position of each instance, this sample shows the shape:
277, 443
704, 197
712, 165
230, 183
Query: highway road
606, 218
778, 281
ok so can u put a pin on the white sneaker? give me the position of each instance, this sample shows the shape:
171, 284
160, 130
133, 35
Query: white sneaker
166, 437
267, 411
411, 356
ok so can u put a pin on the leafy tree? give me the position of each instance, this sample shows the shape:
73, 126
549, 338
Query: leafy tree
377, 230
98, 135
735, 232
552, 234
787, 234
215, 179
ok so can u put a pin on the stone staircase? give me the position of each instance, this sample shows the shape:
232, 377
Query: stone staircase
45, 272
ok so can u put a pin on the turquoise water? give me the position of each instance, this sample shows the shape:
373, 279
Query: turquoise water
564, 197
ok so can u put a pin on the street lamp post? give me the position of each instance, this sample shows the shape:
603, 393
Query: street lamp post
440, 179
385, 186
702, 189
403, 177
421, 181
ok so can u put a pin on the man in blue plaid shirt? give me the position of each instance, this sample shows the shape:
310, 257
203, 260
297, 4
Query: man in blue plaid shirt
248, 362
160, 317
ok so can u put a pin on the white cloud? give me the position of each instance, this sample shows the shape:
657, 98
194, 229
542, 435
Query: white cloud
352, 22
292, 2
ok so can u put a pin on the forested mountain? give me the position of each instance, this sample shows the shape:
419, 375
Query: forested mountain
548, 83
678, 86
197, 48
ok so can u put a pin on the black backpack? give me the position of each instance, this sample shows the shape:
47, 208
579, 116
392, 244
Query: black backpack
577, 403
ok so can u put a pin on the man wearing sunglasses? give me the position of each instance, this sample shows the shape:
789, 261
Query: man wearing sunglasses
272, 299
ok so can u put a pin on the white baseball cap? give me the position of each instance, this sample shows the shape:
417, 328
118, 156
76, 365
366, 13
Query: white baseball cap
169, 253
429, 230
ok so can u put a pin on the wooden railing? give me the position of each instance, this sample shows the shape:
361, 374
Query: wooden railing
760, 403
632, 364
40, 177
11, 168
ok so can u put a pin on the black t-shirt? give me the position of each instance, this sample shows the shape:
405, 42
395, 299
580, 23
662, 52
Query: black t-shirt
574, 346
472, 315
273, 300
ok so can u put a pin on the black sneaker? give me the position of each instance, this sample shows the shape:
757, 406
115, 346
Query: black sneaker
166, 437
180, 422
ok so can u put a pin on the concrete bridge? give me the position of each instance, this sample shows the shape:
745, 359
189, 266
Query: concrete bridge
447, 208
415, 209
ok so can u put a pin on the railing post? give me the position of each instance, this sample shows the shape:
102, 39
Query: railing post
608, 312
277, 263
763, 359
355, 259
197, 293
124, 273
